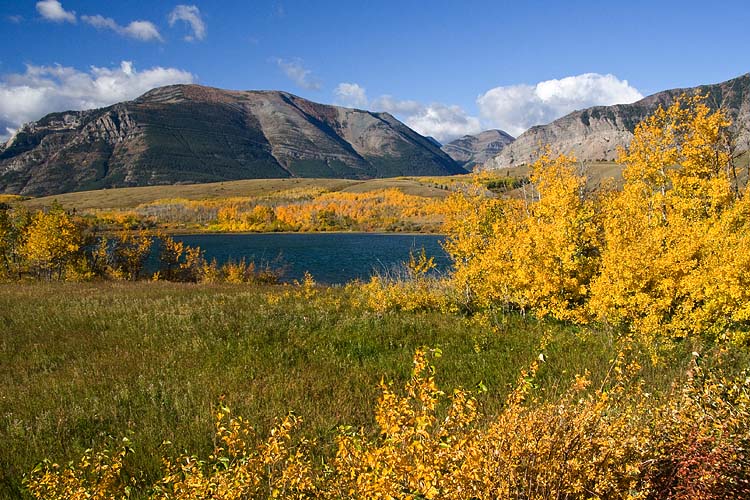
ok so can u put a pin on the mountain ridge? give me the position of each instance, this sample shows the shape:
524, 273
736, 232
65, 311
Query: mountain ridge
191, 133
475, 149
595, 133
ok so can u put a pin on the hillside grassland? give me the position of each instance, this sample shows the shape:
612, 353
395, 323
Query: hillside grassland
265, 205
269, 205
428, 187
412, 204
125, 198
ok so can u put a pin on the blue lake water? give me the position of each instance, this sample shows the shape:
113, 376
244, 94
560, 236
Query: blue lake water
332, 258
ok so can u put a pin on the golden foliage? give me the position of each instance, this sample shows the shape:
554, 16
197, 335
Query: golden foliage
665, 256
52, 240
305, 210
614, 442
240, 467
674, 258
96, 476
537, 253
412, 288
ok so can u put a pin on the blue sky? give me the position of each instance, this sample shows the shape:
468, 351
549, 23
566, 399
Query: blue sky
444, 67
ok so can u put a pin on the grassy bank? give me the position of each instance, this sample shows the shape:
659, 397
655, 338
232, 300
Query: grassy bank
125, 198
79, 362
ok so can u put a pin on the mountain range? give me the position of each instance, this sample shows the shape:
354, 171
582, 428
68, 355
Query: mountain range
594, 134
183, 134
472, 150
193, 134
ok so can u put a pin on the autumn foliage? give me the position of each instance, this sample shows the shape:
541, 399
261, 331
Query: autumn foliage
293, 210
55, 244
667, 255
611, 442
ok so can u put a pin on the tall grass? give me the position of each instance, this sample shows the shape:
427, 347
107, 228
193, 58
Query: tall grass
79, 362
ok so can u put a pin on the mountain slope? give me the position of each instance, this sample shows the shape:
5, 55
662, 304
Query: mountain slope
471, 150
193, 134
595, 133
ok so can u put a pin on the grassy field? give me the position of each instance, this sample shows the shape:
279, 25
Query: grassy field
79, 362
132, 197
433, 187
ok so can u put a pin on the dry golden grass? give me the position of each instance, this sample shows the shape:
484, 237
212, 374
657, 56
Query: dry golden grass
131, 197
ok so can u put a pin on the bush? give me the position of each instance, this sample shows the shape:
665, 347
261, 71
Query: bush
612, 442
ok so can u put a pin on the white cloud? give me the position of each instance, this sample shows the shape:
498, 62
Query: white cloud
351, 95
140, 30
441, 121
191, 15
52, 10
515, 108
298, 73
15, 19
44, 89
444, 122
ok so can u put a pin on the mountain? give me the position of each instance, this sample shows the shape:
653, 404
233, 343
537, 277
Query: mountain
434, 141
471, 150
595, 133
194, 134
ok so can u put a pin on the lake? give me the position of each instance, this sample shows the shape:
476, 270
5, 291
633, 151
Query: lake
332, 258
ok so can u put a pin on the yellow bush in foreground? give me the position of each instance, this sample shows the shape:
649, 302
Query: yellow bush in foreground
612, 442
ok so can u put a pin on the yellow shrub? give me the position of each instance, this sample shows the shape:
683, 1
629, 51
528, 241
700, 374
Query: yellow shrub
616, 442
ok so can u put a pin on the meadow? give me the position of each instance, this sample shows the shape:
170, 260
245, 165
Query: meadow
152, 361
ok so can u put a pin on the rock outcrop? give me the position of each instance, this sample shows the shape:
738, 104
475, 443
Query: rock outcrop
471, 150
596, 133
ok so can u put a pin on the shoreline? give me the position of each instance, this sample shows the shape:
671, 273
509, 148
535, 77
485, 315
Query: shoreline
378, 233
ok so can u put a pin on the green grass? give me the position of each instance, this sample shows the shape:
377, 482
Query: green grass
79, 362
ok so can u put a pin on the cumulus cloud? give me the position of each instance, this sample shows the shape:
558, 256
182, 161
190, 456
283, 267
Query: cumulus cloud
441, 121
52, 10
444, 122
44, 89
191, 15
296, 72
515, 108
139, 30
350, 94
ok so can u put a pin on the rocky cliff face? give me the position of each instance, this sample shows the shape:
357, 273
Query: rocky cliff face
191, 134
596, 133
472, 150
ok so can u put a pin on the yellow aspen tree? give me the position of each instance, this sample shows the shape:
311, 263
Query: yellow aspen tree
558, 248
51, 240
656, 267
537, 254
129, 251
471, 223
8, 241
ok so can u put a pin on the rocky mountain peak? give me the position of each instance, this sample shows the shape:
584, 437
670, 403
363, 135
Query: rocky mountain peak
596, 133
472, 150
193, 134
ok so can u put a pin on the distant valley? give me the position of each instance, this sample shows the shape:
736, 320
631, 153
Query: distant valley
472, 150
